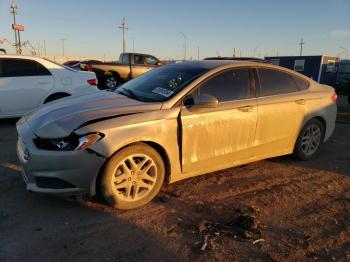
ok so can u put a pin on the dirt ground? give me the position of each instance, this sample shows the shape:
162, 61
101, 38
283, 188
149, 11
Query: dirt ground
302, 208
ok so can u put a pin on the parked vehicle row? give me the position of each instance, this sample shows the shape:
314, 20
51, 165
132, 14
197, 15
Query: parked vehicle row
112, 74
26, 82
175, 122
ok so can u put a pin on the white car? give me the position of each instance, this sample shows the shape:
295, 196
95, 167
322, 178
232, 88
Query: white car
26, 82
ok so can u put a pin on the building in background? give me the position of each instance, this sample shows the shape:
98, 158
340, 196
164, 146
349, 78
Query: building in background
321, 68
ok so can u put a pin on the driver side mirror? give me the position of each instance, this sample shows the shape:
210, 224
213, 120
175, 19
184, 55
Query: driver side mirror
201, 101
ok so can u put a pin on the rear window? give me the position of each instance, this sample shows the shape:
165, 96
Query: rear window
125, 59
11, 67
273, 82
301, 83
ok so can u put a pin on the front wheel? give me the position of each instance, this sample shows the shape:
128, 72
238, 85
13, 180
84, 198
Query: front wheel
132, 177
309, 140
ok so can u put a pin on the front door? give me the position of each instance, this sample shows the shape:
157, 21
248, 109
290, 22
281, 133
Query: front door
216, 138
142, 64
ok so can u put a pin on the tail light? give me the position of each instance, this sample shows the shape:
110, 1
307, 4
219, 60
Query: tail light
334, 97
89, 67
92, 82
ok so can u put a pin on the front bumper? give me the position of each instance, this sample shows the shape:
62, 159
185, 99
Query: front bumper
66, 173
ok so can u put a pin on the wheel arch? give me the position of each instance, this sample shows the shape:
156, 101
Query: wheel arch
114, 73
56, 94
156, 146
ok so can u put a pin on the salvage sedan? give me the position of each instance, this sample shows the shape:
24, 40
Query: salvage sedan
175, 122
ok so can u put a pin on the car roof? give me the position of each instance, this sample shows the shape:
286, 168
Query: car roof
212, 64
19, 56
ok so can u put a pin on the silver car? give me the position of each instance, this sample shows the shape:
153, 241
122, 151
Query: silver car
175, 122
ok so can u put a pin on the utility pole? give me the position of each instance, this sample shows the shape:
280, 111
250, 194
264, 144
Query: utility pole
13, 11
63, 40
185, 47
123, 28
44, 47
301, 46
197, 52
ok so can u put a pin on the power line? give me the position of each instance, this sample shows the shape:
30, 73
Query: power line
123, 28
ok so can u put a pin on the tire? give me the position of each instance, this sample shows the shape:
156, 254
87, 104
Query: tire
126, 186
111, 82
55, 97
310, 140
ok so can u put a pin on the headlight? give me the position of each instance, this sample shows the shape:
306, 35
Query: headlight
71, 143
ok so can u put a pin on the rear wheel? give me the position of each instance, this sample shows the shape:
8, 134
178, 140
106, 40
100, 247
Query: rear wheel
132, 177
309, 140
111, 82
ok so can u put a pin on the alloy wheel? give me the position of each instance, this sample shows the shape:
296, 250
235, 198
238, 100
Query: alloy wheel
311, 139
111, 82
134, 177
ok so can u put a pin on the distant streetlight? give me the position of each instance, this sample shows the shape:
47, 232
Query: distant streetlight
133, 44
197, 52
185, 47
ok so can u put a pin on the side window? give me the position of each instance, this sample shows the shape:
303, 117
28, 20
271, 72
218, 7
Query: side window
22, 67
125, 59
301, 83
229, 85
139, 59
274, 82
150, 60
299, 65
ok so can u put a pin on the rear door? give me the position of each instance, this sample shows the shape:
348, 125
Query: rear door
24, 84
282, 106
216, 138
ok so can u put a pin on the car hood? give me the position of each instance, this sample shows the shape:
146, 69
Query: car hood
62, 117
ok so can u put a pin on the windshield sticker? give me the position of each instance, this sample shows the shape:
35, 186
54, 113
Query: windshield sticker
162, 91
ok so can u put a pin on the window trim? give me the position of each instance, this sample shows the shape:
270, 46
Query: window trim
258, 85
250, 68
25, 59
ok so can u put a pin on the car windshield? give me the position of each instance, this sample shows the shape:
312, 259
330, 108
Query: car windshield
161, 84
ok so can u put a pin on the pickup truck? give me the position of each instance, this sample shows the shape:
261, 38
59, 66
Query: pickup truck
130, 65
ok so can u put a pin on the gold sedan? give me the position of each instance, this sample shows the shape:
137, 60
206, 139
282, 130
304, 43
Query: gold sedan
175, 122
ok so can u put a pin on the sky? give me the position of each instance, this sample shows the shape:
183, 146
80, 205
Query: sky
268, 27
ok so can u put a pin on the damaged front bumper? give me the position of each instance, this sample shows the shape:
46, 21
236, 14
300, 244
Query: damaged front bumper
63, 173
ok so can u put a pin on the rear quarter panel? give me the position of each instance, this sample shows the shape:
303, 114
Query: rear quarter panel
321, 105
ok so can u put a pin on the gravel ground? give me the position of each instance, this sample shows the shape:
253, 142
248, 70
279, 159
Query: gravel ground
301, 211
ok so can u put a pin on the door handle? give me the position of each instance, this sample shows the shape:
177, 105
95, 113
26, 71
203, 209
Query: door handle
300, 101
245, 108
